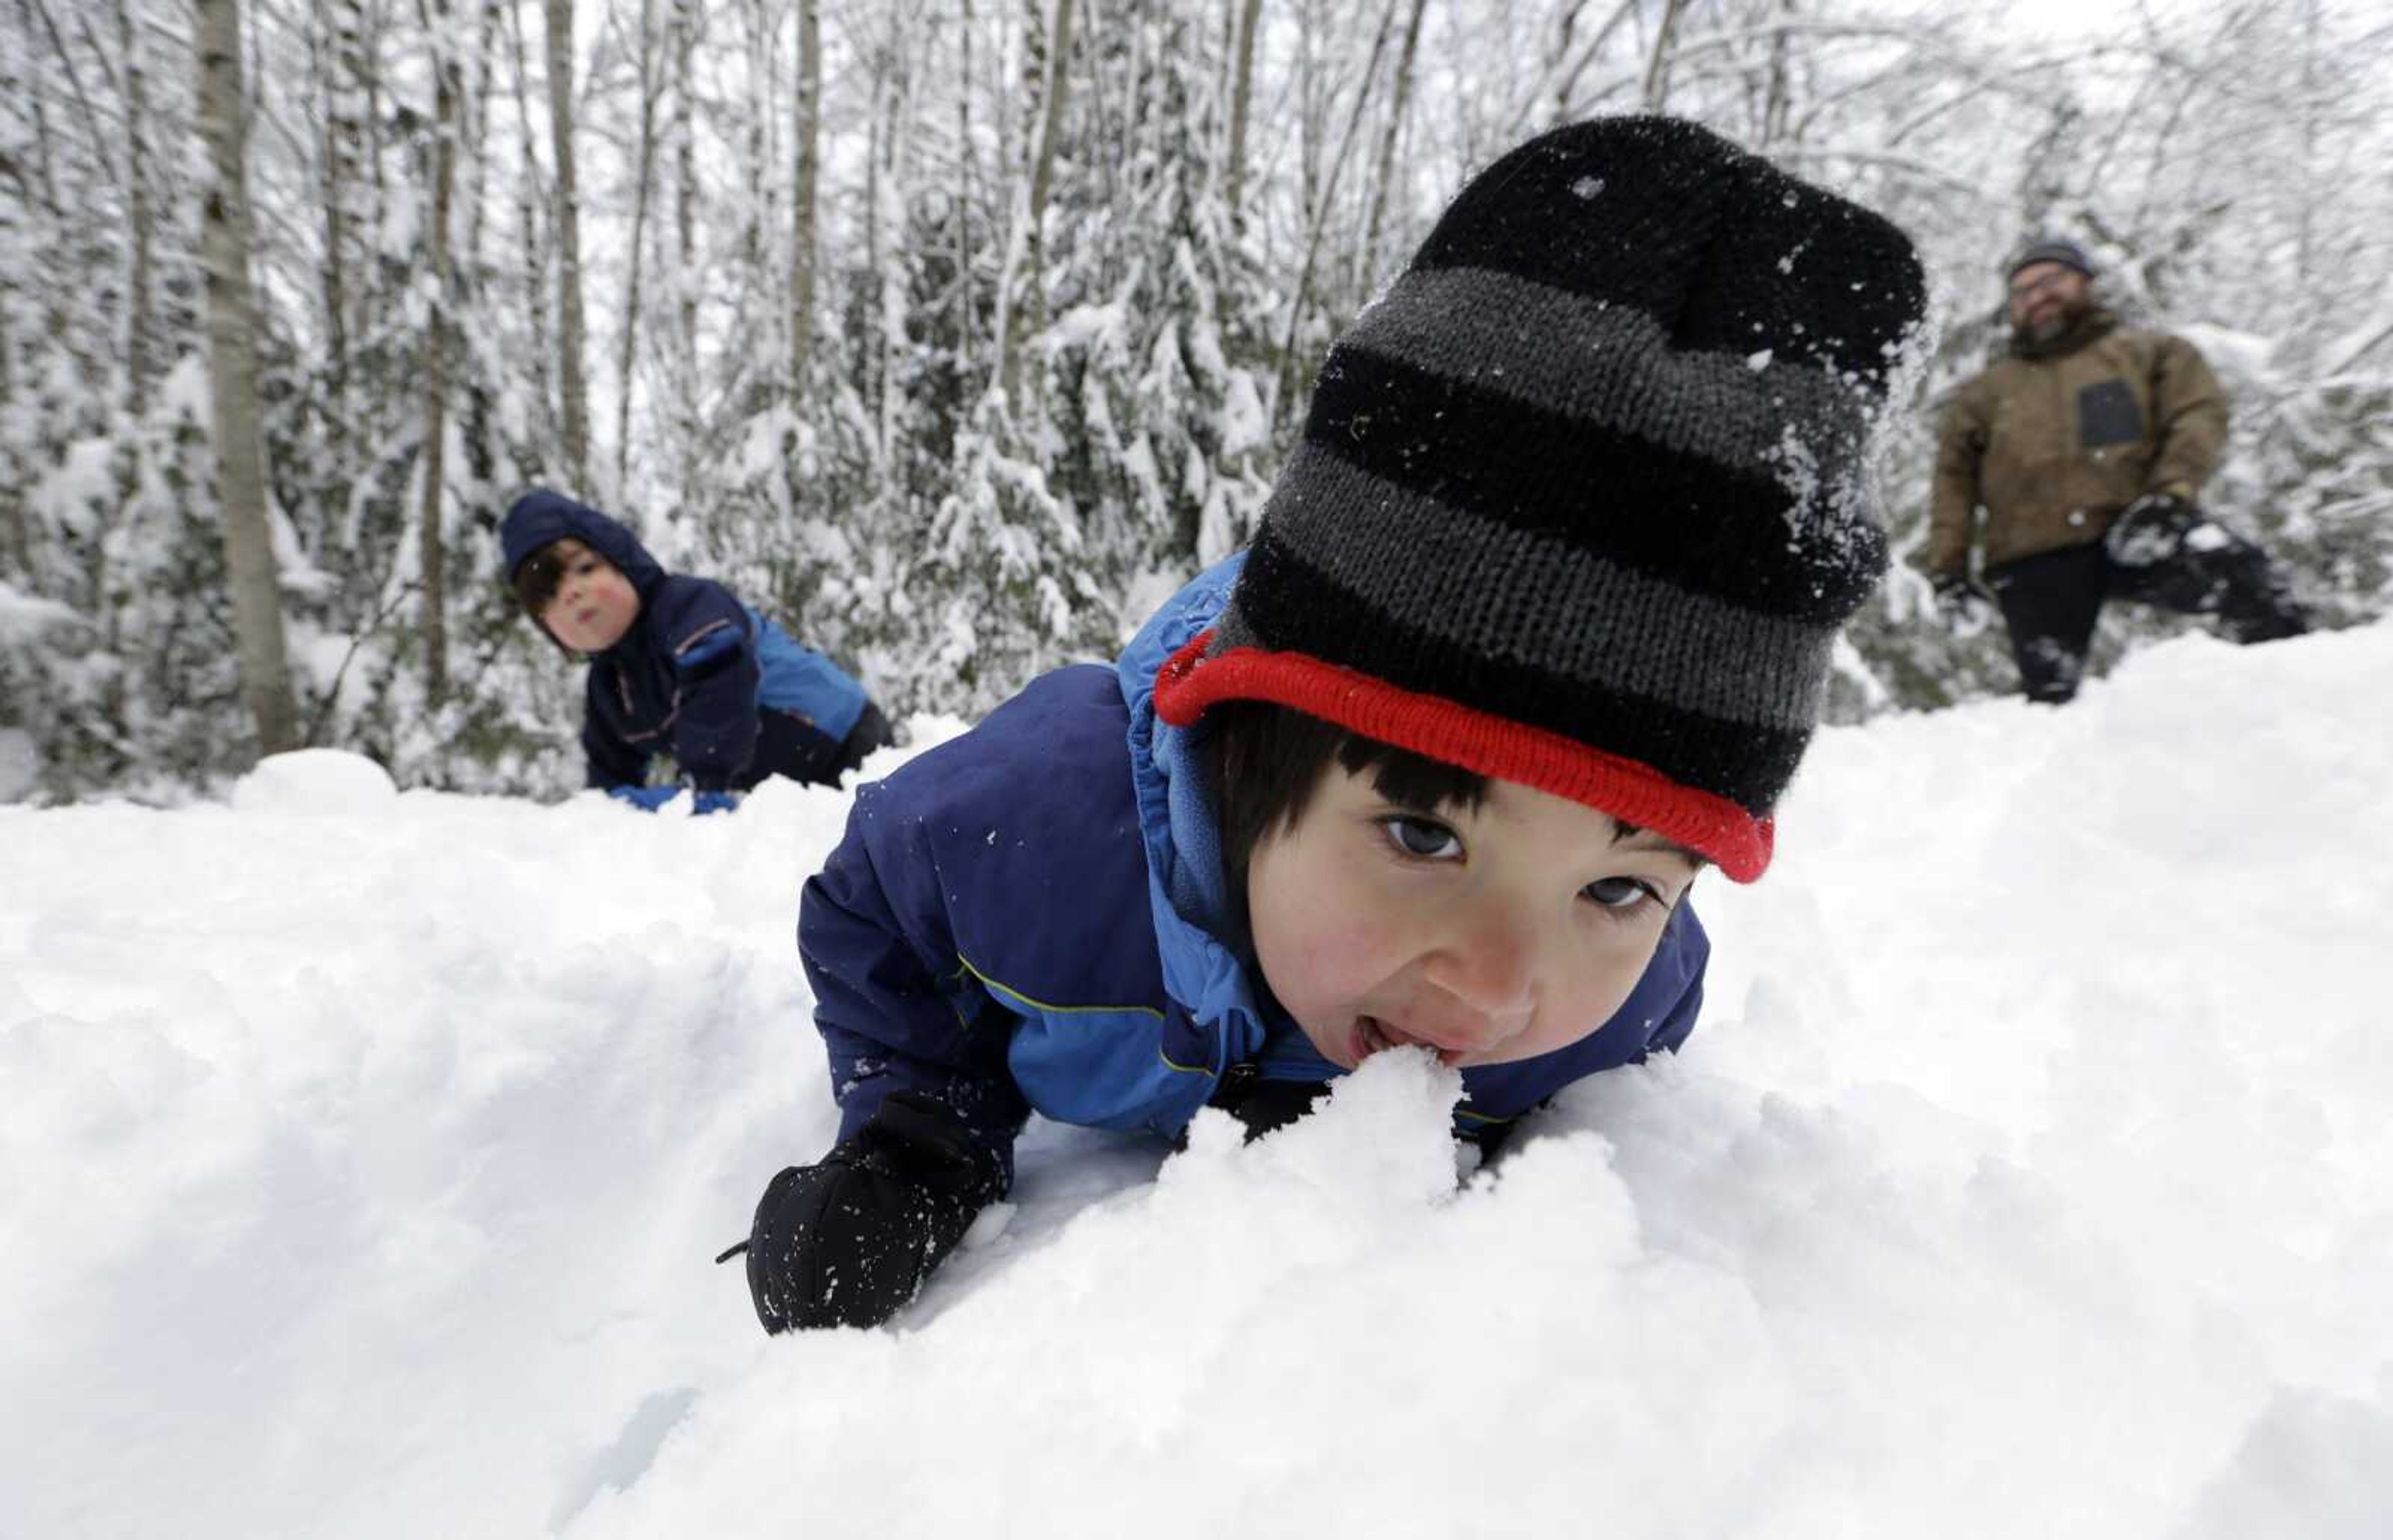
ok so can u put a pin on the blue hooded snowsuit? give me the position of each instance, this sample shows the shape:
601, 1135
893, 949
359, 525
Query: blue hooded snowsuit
1033, 917
693, 675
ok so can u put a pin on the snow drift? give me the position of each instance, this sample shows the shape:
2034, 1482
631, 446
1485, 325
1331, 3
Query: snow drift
365, 1154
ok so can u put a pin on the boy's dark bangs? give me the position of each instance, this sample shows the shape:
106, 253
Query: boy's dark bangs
1267, 759
1408, 779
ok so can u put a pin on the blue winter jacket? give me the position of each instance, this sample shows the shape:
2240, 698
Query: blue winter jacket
1031, 916
690, 678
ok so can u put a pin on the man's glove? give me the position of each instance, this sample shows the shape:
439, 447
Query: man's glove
1966, 606
647, 799
2151, 530
704, 803
848, 1241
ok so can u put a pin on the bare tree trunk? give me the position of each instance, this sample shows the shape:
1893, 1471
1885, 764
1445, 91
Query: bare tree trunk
968, 179
807, 132
1241, 95
344, 137
685, 180
1030, 214
433, 554
573, 384
2305, 222
20, 528
1657, 67
140, 344
1387, 169
755, 222
683, 397
527, 207
875, 131
38, 207
478, 138
233, 370
896, 143
371, 19
1312, 112
644, 175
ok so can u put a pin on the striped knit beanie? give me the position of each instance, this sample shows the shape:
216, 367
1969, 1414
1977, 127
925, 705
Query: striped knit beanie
1583, 501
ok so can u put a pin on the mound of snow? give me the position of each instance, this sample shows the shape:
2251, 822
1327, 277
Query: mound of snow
2028, 1175
319, 782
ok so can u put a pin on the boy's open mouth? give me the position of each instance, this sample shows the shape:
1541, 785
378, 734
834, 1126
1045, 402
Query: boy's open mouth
1372, 1034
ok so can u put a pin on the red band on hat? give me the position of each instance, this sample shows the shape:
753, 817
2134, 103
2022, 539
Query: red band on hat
1711, 826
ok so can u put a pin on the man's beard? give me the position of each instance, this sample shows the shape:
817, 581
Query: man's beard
2058, 321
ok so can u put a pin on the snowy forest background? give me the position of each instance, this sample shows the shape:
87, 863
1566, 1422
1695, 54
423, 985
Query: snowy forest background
955, 331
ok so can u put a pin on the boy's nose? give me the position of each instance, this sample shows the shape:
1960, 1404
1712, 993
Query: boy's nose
1491, 976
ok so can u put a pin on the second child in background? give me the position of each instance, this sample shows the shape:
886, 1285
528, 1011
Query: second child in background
679, 668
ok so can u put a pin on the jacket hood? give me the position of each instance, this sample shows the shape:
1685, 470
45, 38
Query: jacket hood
541, 517
1193, 917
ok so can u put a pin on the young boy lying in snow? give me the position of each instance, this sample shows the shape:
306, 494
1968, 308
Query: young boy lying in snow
679, 667
1535, 627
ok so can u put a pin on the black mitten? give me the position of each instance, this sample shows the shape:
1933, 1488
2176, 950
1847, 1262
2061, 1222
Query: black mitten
2152, 530
1964, 604
848, 1241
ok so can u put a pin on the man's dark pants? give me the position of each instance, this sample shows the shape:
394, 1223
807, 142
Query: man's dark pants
2190, 565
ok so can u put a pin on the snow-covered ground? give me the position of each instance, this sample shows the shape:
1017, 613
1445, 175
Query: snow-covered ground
362, 1157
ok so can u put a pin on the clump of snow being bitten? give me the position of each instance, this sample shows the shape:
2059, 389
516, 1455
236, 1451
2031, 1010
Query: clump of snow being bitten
1386, 1134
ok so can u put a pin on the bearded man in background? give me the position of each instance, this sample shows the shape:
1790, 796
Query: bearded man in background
2086, 449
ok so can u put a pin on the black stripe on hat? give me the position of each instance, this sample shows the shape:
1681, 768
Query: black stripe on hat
1723, 248
1307, 612
1686, 518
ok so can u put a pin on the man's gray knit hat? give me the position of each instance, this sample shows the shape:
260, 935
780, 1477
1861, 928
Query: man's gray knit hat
1583, 502
2069, 254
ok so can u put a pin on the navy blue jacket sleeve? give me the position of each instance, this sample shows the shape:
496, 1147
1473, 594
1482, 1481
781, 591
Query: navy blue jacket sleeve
709, 645
608, 759
893, 1000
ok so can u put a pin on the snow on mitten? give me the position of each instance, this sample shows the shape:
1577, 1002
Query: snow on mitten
849, 1240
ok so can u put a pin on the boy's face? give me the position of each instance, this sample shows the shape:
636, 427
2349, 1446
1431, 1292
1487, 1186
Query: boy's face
594, 603
1486, 935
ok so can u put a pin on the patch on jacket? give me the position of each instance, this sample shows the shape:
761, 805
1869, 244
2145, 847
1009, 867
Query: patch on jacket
2107, 414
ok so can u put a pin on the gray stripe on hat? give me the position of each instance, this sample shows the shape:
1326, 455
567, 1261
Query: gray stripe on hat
1530, 599
1612, 365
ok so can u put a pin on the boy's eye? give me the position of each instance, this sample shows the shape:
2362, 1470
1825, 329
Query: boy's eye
1424, 839
1620, 892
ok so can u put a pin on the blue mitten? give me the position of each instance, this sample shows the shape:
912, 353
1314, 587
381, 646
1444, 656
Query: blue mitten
647, 799
703, 803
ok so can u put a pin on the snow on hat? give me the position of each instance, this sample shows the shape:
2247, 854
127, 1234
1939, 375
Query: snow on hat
1583, 502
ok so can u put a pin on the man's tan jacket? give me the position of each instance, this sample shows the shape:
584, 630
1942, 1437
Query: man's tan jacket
2054, 441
